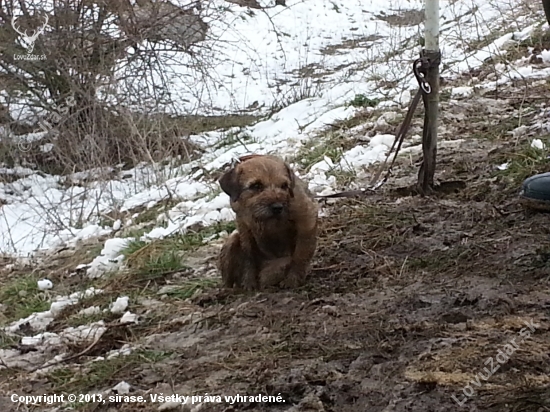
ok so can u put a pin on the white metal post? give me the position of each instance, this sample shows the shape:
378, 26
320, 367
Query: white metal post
432, 26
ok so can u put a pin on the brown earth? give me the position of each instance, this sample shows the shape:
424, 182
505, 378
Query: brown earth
408, 300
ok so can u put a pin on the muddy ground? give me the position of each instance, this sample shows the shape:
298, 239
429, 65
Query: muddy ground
414, 304
408, 300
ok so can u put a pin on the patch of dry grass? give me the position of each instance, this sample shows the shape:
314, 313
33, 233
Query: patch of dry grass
102, 373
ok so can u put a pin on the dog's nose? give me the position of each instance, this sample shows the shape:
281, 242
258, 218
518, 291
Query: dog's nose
276, 208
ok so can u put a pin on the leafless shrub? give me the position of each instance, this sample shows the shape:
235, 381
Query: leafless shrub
85, 90
303, 88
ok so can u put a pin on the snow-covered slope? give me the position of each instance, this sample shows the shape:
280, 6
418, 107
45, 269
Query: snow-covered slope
352, 46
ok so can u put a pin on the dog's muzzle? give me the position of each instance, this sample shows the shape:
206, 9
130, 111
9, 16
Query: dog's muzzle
271, 210
277, 208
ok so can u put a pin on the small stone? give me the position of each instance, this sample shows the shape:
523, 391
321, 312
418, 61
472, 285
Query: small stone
330, 310
122, 388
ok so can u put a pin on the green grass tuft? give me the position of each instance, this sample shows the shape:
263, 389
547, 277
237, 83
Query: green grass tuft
164, 256
188, 289
527, 161
360, 100
21, 298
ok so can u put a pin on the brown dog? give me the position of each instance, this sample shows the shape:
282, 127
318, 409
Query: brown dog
276, 233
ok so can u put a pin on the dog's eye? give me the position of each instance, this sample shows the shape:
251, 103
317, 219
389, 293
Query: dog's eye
256, 186
284, 186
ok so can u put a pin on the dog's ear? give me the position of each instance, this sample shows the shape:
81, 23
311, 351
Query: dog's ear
248, 157
292, 177
230, 184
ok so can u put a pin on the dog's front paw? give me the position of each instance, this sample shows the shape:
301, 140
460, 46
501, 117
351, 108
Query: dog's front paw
250, 282
294, 279
249, 287
273, 272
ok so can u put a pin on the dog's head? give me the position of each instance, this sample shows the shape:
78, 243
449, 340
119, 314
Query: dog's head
259, 185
